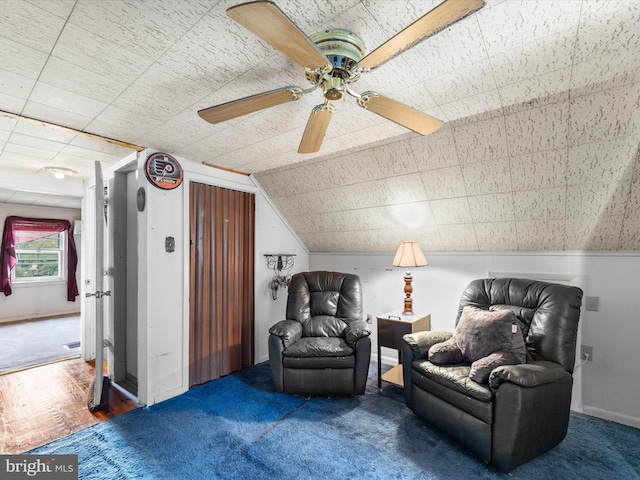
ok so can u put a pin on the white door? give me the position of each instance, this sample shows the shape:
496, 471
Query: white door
99, 293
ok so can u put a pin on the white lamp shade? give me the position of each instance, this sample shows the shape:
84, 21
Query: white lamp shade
409, 254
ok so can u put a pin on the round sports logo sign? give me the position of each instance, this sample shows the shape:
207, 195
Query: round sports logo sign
163, 171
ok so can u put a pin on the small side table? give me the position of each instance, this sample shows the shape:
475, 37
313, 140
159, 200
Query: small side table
391, 328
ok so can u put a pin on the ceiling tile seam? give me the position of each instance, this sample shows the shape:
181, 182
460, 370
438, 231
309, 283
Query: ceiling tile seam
604, 86
625, 216
430, 225
331, 156
627, 202
387, 177
374, 229
143, 71
440, 105
519, 243
413, 156
488, 57
457, 150
513, 193
194, 105
383, 205
53, 47
303, 164
424, 187
380, 26
569, 116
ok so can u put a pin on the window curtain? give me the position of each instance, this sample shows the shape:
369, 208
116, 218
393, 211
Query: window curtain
40, 228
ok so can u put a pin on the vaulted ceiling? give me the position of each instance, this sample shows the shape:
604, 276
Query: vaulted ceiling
540, 99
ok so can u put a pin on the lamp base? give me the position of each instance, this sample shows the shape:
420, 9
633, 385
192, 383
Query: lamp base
408, 290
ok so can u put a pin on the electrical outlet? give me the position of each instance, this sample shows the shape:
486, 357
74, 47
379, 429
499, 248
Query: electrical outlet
592, 303
586, 351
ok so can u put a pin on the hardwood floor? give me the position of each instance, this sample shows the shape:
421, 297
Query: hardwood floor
45, 403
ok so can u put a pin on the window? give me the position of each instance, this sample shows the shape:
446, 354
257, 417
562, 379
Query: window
44, 249
39, 259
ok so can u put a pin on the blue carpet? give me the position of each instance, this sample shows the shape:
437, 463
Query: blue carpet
236, 427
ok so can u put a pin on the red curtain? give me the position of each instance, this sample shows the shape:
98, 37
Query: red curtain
8, 257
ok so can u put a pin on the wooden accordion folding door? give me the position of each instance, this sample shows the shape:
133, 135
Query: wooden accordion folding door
221, 312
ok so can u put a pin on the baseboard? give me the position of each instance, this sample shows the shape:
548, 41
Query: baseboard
612, 416
21, 318
261, 359
385, 360
167, 395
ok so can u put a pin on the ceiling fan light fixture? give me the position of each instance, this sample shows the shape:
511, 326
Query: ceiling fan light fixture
333, 88
60, 172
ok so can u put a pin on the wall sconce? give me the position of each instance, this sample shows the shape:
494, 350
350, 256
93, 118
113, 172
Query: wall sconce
279, 262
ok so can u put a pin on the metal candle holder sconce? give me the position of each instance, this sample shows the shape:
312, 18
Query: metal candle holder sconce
279, 263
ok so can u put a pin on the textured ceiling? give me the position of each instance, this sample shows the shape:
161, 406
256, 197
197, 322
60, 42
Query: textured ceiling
540, 99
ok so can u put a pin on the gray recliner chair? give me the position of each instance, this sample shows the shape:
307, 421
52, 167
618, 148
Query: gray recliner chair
323, 346
523, 411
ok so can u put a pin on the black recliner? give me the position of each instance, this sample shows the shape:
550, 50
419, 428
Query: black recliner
323, 346
524, 409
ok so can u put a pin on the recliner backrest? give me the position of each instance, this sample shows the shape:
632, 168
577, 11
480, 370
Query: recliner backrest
548, 313
324, 302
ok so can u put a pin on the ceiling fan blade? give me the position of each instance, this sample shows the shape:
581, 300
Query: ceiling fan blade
441, 17
267, 21
243, 106
400, 113
316, 129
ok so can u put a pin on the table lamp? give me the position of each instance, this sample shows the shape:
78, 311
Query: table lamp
409, 255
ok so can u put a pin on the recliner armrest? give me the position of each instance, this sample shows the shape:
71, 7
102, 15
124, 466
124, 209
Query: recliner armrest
421, 342
356, 330
289, 331
527, 374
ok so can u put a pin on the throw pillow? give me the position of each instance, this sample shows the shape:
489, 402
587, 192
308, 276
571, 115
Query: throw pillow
485, 340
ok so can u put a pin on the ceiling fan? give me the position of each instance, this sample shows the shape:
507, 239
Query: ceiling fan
333, 60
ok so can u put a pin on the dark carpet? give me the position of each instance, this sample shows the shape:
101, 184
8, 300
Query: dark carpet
34, 342
236, 427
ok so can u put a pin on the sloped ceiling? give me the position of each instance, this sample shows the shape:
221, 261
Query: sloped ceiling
540, 98
557, 174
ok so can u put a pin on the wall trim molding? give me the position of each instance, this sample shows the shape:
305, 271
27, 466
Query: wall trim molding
612, 416
493, 254
40, 316
545, 277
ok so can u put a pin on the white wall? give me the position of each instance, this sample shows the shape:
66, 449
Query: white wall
163, 308
607, 387
272, 236
36, 300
